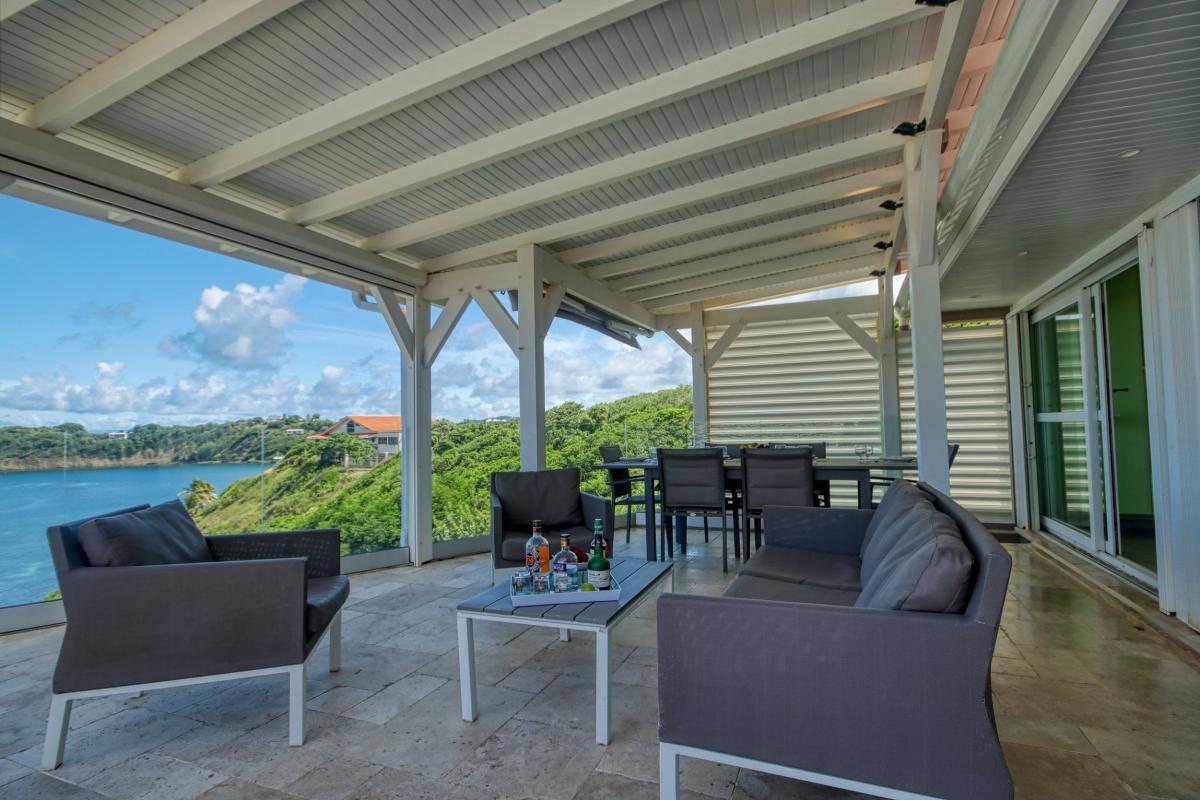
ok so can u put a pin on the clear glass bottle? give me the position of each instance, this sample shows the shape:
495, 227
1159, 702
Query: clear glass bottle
565, 568
537, 550
599, 570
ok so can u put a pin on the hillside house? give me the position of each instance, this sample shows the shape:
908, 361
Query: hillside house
383, 431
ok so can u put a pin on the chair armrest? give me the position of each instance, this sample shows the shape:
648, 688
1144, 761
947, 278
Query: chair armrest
828, 530
886, 697
596, 507
322, 547
135, 625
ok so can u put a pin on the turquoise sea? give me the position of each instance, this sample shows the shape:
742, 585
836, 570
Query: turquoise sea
32, 501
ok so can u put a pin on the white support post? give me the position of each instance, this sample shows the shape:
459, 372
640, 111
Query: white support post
417, 436
699, 350
531, 355
889, 377
924, 279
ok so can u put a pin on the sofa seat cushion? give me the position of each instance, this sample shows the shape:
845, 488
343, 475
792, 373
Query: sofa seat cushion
809, 567
512, 545
929, 569
324, 597
162, 534
550, 495
755, 588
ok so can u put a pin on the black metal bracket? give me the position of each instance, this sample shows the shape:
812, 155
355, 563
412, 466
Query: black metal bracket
881, 245
910, 128
891, 205
934, 3
877, 273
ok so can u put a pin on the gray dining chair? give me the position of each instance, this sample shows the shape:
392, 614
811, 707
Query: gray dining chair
621, 487
821, 489
693, 484
773, 477
886, 481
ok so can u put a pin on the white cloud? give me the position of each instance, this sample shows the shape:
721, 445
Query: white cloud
245, 328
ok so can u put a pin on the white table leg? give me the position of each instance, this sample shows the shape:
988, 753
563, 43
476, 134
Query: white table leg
564, 634
466, 667
603, 708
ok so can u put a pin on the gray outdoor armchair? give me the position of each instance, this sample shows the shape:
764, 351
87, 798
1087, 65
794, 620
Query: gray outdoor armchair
150, 604
853, 650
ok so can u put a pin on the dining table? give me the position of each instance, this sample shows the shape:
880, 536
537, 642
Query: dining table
850, 468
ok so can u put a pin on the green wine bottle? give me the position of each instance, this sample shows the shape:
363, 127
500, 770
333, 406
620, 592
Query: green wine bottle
599, 571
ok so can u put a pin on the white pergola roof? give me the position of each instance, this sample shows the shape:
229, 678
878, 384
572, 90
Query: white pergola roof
679, 152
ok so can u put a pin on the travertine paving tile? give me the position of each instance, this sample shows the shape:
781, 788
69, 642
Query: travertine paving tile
333, 780
11, 771
1043, 774
154, 777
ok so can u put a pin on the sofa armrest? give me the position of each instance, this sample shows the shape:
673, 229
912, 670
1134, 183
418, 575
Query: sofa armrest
596, 507
136, 625
890, 698
322, 547
828, 530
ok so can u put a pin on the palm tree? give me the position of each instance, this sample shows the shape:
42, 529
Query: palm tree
198, 494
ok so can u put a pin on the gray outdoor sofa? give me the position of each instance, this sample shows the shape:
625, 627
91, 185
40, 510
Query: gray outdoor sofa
151, 603
853, 650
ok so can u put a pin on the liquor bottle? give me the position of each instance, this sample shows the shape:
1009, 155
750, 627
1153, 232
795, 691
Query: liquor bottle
564, 572
599, 571
537, 550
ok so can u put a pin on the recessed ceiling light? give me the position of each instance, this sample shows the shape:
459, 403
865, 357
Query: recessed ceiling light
1022, 253
1130, 153
118, 216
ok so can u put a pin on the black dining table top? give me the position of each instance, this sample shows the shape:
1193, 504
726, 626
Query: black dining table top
852, 462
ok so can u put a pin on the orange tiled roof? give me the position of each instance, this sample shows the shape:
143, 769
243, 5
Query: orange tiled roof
376, 424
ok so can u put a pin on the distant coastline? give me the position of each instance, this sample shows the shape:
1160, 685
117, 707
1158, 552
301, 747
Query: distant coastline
75, 464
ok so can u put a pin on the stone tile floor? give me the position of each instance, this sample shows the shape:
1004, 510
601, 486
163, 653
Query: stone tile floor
1091, 707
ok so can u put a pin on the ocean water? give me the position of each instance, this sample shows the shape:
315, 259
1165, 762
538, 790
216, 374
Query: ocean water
30, 502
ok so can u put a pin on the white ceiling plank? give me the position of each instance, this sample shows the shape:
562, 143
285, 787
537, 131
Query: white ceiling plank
577, 284
439, 334
729, 241
812, 161
494, 310
855, 332
762, 286
179, 41
535, 33
10, 8
954, 40
831, 105
829, 192
792, 44
791, 246
785, 260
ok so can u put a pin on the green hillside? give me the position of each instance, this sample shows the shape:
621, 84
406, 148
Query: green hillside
302, 493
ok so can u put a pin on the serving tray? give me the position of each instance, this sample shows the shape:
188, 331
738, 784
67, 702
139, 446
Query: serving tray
558, 598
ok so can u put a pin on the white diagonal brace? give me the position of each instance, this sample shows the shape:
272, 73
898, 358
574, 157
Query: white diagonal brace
721, 345
493, 309
184, 38
862, 183
555, 293
494, 50
396, 320
761, 287
786, 260
576, 283
729, 241
9, 8
440, 332
791, 44
954, 40
784, 168
678, 338
855, 332
791, 246
831, 105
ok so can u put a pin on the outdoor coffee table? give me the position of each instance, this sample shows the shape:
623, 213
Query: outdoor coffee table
637, 577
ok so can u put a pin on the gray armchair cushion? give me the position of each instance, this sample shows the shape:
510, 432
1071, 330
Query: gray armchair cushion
929, 568
324, 597
512, 546
162, 534
551, 495
810, 567
755, 588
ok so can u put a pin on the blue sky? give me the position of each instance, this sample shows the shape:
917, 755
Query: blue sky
111, 327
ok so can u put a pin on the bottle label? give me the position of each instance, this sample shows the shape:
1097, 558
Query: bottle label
530, 559
601, 580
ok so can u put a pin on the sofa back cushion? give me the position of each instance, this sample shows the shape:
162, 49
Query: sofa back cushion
889, 523
162, 534
551, 495
927, 567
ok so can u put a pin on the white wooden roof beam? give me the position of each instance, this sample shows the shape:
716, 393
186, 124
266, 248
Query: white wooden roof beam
758, 269
784, 168
954, 41
184, 38
829, 192
10, 8
494, 50
791, 246
575, 282
792, 44
729, 241
781, 312
814, 110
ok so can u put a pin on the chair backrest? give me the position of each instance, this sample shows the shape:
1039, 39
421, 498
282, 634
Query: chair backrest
617, 478
693, 479
549, 495
818, 448
953, 453
66, 551
777, 477
730, 450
